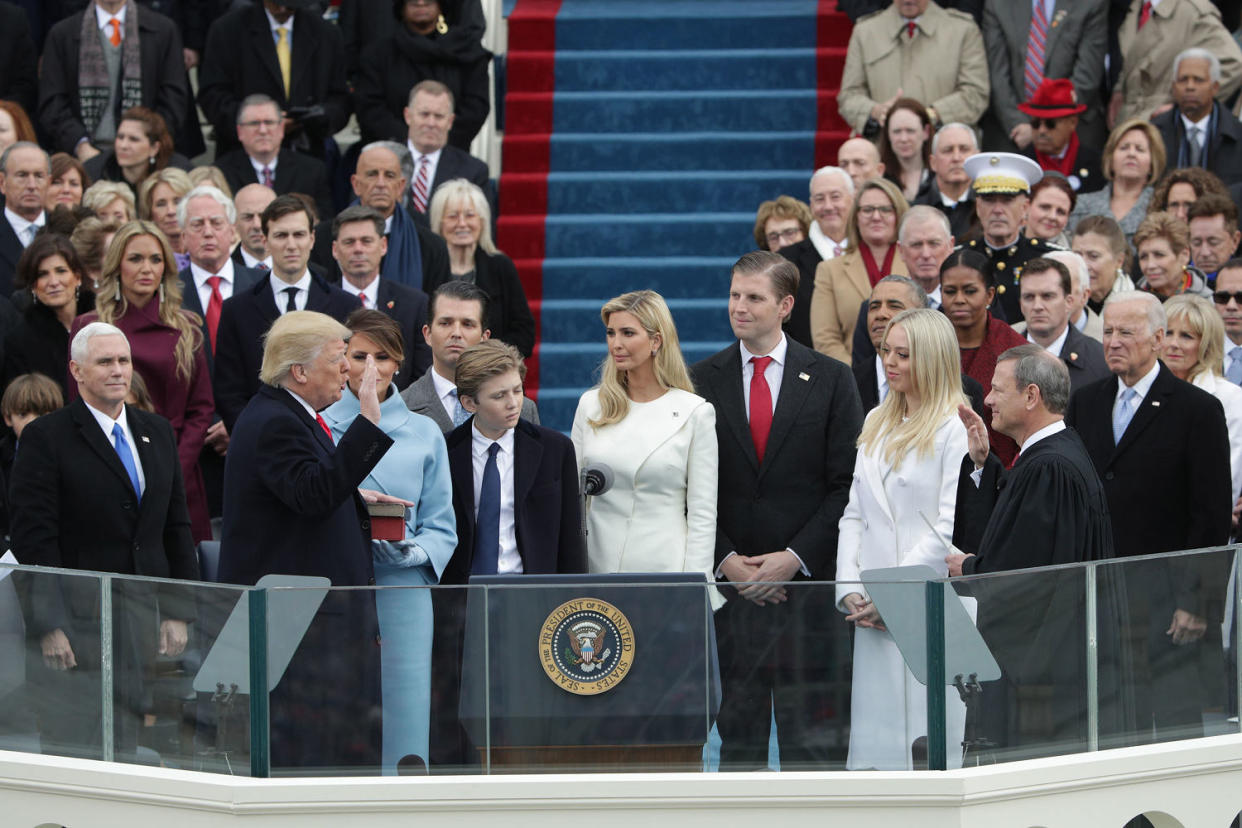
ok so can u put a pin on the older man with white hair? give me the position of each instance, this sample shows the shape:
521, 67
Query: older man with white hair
1144, 428
832, 198
1198, 131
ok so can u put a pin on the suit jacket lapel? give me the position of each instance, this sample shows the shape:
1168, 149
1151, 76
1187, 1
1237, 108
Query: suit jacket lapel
856, 271
527, 456
302, 52
1148, 411
423, 394
263, 42
461, 471
795, 385
152, 466
727, 381
89, 428
286, 397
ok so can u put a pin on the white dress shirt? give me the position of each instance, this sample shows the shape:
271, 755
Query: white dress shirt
279, 287
1140, 388
773, 374
106, 423
258, 167
433, 161
827, 247
101, 19
251, 262
881, 379
20, 225
287, 26
1058, 344
509, 562
1046, 431
204, 289
446, 391
369, 295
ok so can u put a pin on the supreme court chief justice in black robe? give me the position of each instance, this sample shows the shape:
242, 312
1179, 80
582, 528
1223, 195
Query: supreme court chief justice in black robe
292, 506
1048, 509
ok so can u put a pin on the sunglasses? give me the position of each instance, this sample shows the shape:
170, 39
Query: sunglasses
1045, 123
1222, 297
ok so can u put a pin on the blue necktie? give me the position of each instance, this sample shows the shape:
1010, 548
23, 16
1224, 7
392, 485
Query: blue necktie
1234, 372
127, 457
487, 524
1125, 413
460, 414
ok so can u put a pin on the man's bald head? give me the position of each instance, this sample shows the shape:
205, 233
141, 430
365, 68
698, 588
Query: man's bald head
861, 159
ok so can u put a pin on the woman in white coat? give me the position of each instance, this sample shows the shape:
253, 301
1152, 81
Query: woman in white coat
659, 438
909, 454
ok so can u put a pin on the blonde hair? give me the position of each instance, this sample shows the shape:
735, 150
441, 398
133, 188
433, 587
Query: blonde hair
213, 176
459, 189
1155, 147
177, 180
1206, 322
895, 198
102, 193
111, 304
484, 361
649, 308
296, 338
935, 371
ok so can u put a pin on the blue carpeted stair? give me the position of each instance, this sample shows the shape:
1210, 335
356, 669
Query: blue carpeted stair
664, 124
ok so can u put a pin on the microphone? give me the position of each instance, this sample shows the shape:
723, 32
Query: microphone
596, 479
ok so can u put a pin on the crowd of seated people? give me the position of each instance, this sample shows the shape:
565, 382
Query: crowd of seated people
1098, 153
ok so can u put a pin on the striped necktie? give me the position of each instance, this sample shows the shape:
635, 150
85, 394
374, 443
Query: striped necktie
1035, 49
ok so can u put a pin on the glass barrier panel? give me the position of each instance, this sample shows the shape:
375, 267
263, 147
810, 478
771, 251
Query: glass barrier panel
105, 667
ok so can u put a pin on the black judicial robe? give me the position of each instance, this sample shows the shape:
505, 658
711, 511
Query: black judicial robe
1048, 510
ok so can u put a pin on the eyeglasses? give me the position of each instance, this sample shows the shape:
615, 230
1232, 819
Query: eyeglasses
876, 210
270, 124
1045, 123
1222, 297
788, 234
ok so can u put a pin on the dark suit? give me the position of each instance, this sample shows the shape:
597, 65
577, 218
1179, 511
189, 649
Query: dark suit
1177, 442
962, 217
1084, 357
73, 506
548, 527
295, 173
244, 319
793, 500
1074, 48
433, 255
869, 386
1224, 147
240, 60
291, 506
508, 313
19, 70
454, 163
162, 70
11, 249
807, 258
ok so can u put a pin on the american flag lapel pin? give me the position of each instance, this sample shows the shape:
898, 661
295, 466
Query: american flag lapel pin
804, 376
1155, 403
146, 439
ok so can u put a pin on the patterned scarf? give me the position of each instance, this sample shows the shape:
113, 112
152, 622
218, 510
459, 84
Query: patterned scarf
94, 85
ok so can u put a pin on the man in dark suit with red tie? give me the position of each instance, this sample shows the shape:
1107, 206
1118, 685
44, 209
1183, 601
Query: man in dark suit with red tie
97, 486
786, 422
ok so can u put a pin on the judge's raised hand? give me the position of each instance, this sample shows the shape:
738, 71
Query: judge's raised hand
368, 394
976, 434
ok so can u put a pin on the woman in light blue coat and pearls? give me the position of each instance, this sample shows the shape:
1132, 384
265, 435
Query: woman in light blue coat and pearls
416, 469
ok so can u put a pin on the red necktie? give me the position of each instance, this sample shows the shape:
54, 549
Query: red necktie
319, 419
115, 37
213, 310
760, 405
910, 29
1034, 72
421, 185
1144, 13
268, 181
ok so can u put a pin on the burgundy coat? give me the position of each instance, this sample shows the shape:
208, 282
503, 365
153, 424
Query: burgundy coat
979, 364
189, 406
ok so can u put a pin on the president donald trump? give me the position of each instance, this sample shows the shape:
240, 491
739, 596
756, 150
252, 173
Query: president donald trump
292, 506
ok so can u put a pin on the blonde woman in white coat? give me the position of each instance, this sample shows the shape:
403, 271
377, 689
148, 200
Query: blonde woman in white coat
909, 454
659, 438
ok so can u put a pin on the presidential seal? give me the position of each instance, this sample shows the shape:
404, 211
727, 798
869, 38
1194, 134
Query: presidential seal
586, 646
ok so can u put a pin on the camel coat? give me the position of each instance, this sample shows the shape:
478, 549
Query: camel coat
841, 286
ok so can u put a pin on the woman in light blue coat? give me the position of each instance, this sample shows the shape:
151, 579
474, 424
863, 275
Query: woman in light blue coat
416, 469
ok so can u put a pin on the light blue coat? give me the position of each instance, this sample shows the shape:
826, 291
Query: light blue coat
416, 469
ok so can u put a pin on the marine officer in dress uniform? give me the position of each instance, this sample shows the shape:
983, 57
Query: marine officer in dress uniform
1002, 185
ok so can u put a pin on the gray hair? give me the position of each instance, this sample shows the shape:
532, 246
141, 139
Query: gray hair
430, 87
954, 125
459, 189
1156, 319
20, 145
920, 295
206, 191
1075, 264
400, 150
1045, 371
257, 99
80, 349
919, 213
1196, 53
822, 171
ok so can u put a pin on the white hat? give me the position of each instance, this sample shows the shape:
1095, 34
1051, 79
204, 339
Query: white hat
1002, 173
